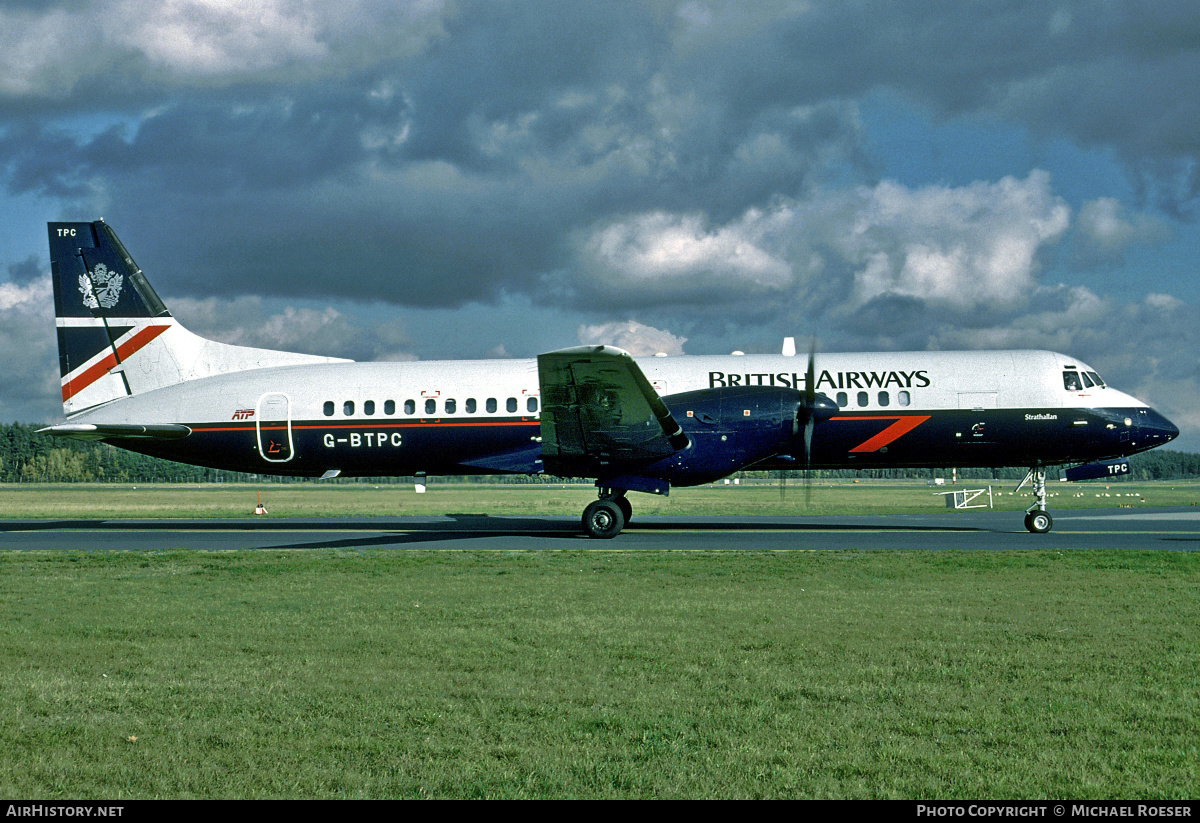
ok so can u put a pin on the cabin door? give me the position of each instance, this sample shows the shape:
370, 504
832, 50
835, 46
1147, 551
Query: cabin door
273, 423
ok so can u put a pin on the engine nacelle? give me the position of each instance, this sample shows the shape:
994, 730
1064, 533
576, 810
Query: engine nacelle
728, 428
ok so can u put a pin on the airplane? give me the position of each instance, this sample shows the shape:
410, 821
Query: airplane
134, 377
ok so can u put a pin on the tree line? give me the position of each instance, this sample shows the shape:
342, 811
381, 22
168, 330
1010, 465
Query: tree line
28, 457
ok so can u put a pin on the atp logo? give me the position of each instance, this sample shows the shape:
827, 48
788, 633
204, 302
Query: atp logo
107, 291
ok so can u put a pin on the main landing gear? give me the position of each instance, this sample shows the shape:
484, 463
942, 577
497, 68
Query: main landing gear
1037, 519
607, 516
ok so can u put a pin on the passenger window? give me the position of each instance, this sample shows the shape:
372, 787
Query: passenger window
451, 406
884, 399
369, 407
410, 407
389, 406
843, 400
430, 405
863, 398
470, 405
348, 408
531, 404
1071, 380
491, 405
903, 398
511, 405
328, 408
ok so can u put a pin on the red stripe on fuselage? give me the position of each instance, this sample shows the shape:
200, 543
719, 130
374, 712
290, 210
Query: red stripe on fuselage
74, 385
902, 426
278, 426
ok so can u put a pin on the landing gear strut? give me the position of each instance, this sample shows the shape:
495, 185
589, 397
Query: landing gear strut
1037, 519
607, 516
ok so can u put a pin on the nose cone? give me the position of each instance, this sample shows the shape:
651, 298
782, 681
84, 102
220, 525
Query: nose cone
1155, 430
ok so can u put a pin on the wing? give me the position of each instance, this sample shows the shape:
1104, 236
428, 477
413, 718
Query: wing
599, 410
103, 431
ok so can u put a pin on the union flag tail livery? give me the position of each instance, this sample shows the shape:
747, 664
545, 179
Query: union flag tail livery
115, 337
132, 376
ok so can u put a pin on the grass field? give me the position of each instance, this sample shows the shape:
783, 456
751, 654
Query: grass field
339, 674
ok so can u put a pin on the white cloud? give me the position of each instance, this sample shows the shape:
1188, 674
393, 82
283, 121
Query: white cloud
963, 247
34, 297
199, 41
1099, 220
636, 338
27, 50
29, 382
1163, 302
244, 321
204, 37
661, 246
1065, 316
1109, 227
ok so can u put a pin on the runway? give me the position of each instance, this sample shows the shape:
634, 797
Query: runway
1145, 529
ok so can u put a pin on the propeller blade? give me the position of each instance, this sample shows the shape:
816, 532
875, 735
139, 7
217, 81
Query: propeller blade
814, 408
810, 375
810, 400
808, 432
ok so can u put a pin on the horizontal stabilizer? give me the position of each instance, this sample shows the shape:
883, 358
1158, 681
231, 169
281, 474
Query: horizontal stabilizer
104, 431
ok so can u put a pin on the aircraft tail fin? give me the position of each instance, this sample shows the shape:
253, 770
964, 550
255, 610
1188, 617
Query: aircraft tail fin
95, 277
116, 337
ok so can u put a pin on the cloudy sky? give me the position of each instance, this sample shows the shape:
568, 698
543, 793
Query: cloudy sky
424, 179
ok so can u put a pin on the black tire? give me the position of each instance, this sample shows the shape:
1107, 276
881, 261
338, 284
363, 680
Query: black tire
626, 508
603, 519
1039, 522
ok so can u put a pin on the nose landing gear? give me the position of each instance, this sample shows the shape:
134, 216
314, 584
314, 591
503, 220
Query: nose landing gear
1037, 519
1038, 522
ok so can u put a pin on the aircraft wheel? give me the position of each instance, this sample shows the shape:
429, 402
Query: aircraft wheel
626, 508
603, 519
1039, 522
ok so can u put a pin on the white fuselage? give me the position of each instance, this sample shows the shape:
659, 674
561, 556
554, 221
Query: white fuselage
876, 382
900, 409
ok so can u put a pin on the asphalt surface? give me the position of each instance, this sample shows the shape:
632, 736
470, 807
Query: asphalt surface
1157, 529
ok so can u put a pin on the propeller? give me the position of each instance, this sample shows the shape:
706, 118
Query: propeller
814, 408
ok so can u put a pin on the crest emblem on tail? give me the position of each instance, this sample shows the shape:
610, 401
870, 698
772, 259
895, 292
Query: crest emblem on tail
103, 288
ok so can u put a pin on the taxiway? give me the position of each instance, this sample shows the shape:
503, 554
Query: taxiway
1138, 530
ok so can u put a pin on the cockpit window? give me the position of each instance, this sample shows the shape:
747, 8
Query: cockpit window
1071, 381
1087, 381
1096, 379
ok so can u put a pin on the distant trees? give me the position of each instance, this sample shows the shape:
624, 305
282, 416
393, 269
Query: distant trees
28, 457
1161, 464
